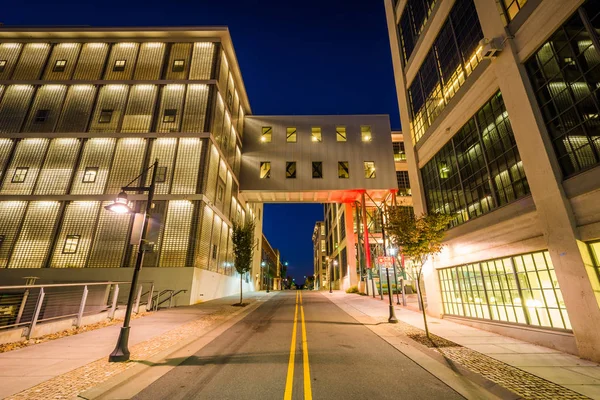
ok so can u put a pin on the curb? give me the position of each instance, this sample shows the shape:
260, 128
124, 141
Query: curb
128, 383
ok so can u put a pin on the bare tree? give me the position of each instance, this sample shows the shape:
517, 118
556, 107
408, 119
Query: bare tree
419, 238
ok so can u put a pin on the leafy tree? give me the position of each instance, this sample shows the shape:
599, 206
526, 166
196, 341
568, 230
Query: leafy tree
243, 244
419, 238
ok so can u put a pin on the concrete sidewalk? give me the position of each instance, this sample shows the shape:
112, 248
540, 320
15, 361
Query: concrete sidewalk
492, 355
27, 367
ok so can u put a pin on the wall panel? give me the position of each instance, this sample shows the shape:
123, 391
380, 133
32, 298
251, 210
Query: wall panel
14, 106
171, 106
202, 60
163, 149
67, 52
9, 52
179, 51
121, 52
58, 167
176, 237
91, 61
217, 122
127, 163
97, 153
140, 106
77, 109
196, 101
35, 238
30, 64
203, 245
213, 258
6, 146
110, 240
149, 61
213, 171
111, 99
11, 216
187, 166
28, 154
45, 109
222, 266
80, 220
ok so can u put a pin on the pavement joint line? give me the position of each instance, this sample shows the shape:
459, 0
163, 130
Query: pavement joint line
289, 382
174, 355
452, 379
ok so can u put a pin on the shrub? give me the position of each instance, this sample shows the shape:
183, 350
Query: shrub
352, 289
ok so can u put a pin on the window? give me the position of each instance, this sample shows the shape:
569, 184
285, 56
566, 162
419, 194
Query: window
161, 174
59, 66
265, 169
290, 170
170, 115
399, 151
71, 244
365, 133
564, 75
230, 100
415, 15
105, 116
323, 246
90, 174
595, 250
370, 169
267, 134
290, 136
2, 65
403, 183
343, 170
479, 169
20, 175
214, 252
119, 65
178, 66
322, 230
220, 191
340, 133
41, 116
512, 7
316, 134
317, 169
521, 289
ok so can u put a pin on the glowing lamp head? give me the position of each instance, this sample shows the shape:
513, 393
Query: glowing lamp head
120, 205
335, 263
263, 263
263, 139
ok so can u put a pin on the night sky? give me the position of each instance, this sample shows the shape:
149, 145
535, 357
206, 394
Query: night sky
302, 57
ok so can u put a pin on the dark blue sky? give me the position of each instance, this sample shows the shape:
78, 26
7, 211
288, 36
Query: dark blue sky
301, 57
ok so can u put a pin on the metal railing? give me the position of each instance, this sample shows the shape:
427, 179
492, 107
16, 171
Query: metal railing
28, 305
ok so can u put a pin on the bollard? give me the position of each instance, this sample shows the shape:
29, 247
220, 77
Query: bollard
82, 306
113, 308
36, 314
137, 300
150, 294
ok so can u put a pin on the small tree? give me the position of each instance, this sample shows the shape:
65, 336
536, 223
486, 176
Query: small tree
243, 245
418, 238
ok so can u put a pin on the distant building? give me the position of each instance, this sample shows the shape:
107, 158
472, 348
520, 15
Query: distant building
271, 267
320, 257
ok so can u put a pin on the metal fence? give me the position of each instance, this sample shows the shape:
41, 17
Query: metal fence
28, 305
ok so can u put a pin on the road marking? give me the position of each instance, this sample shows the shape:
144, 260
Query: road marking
289, 382
307, 386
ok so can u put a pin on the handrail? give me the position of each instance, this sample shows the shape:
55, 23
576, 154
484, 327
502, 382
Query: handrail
68, 284
170, 298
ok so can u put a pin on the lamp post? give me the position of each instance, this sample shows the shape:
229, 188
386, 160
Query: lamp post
265, 274
392, 251
334, 264
121, 206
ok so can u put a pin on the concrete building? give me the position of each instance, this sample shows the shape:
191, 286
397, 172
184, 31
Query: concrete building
271, 267
319, 256
499, 102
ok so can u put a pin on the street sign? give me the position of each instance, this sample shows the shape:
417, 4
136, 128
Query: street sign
385, 261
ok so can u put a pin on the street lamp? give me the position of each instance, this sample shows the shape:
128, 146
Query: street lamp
333, 264
393, 251
264, 264
121, 205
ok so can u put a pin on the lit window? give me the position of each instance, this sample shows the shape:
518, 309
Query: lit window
444, 170
119, 65
343, 170
340, 133
365, 133
71, 244
105, 116
290, 170
369, 169
399, 151
90, 174
59, 66
41, 116
265, 169
512, 7
2, 65
20, 175
316, 134
290, 136
323, 246
178, 65
267, 134
161, 174
317, 169
170, 115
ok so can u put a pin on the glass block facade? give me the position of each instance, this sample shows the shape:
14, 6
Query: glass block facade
479, 169
84, 119
452, 58
521, 289
565, 74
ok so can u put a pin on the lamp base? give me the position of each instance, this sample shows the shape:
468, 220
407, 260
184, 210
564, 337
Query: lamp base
121, 351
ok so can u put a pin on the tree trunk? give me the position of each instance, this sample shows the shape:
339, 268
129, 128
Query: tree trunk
241, 287
422, 303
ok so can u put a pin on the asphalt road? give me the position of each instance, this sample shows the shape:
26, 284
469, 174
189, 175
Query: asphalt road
332, 357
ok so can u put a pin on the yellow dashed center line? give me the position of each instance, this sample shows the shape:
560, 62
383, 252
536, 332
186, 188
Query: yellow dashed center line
289, 383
